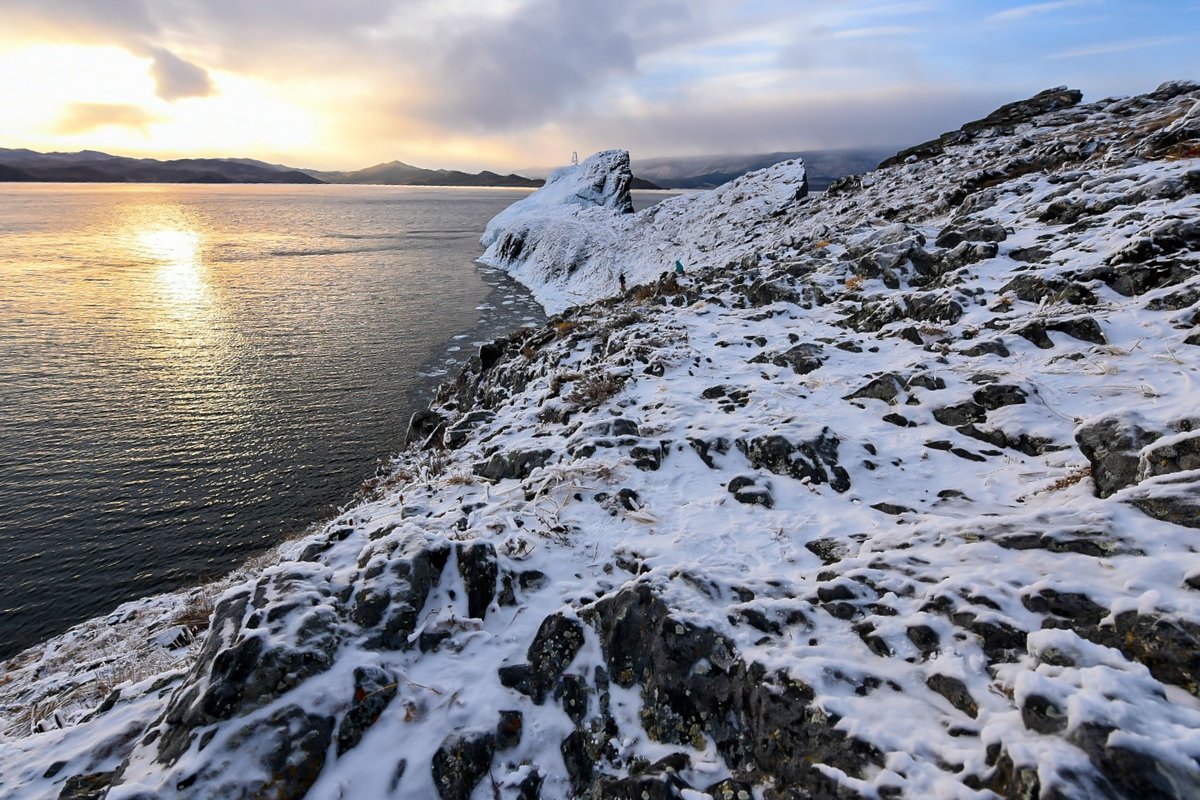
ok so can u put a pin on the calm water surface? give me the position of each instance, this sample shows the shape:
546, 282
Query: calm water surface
189, 374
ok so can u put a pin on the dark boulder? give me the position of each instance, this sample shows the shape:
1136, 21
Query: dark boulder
803, 358
552, 650
960, 413
293, 742
1175, 454
374, 688
1085, 329
751, 490
954, 691
1111, 444
1043, 715
814, 461
460, 764
509, 729
477, 566
994, 347
86, 787
885, 387
694, 686
971, 231
1170, 498
998, 395
415, 567
423, 427
1038, 289
518, 464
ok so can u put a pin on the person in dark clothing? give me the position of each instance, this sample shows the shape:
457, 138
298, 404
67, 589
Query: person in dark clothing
622, 281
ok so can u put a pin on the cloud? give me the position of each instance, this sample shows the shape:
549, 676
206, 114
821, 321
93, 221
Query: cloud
84, 117
1033, 9
890, 118
523, 70
176, 78
876, 31
124, 23
1117, 47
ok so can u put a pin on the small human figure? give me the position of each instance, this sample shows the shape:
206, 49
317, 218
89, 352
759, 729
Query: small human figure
622, 281
678, 267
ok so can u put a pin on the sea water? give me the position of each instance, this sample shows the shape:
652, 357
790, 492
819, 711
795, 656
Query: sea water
189, 374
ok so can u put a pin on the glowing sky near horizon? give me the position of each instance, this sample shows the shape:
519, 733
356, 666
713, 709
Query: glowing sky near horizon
508, 84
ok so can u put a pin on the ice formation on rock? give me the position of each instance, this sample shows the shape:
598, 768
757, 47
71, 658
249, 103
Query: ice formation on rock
571, 240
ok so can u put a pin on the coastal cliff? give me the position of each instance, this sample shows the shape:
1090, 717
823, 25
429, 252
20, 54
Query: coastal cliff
894, 494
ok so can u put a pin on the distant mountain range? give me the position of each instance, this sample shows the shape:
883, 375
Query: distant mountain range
685, 172
91, 166
706, 172
399, 173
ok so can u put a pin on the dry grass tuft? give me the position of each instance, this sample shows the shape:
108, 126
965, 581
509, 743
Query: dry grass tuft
1066, 481
594, 389
196, 617
560, 378
854, 283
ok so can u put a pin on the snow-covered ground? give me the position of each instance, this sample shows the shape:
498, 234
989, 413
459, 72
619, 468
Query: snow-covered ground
894, 494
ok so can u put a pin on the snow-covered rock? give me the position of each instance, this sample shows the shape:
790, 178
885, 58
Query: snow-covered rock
899, 503
572, 240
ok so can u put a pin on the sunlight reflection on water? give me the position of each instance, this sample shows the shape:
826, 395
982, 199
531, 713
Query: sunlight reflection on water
189, 373
181, 270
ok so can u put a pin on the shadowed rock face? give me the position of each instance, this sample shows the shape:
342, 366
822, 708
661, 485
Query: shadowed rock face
693, 684
999, 122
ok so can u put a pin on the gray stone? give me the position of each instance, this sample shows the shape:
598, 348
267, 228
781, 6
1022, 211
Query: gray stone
1177, 454
886, 387
460, 764
518, 464
374, 688
955, 691
1111, 444
815, 460
1043, 715
293, 744
86, 787
693, 685
1171, 498
477, 566
751, 490
998, 395
552, 650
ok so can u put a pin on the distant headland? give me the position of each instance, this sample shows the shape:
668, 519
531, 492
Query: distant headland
683, 172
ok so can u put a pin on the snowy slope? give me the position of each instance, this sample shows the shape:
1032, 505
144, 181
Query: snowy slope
569, 252
895, 494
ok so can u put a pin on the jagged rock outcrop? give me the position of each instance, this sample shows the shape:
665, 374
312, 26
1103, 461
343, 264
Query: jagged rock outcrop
574, 238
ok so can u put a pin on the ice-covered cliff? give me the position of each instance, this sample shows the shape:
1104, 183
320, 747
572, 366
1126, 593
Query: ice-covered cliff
895, 494
571, 240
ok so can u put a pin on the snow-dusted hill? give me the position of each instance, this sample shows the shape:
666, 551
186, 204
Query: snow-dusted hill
895, 494
571, 240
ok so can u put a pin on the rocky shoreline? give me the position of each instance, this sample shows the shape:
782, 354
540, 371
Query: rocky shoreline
895, 495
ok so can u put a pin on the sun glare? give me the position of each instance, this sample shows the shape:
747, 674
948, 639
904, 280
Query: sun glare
71, 97
180, 271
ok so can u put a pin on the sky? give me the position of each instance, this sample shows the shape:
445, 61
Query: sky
514, 84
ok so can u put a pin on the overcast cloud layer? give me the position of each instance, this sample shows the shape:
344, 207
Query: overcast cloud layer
510, 83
